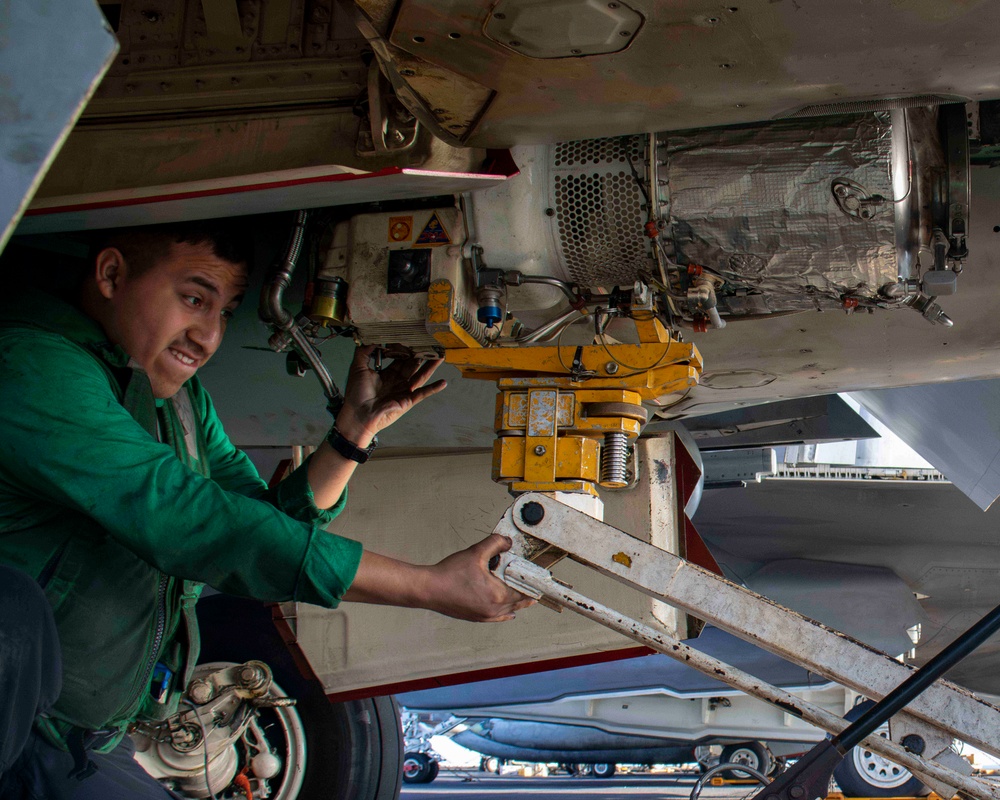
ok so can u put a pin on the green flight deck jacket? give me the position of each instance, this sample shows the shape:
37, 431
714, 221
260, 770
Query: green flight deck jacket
121, 529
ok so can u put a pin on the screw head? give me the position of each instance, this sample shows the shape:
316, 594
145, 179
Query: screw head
532, 513
611, 368
796, 791
540, 450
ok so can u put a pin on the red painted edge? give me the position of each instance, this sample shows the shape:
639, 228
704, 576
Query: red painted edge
695, 549
492, 673
283, 468
288, 637
250, 187
500, 164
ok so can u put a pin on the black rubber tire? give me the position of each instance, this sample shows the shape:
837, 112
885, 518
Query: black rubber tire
603, 770
753, 754
435, 769
418, 768
854, 782
354, 749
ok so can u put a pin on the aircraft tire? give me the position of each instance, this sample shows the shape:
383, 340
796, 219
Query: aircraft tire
354, 749
864, 773
603, 770
753, 754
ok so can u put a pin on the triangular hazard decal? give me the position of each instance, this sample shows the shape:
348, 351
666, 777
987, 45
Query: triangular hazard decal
434, 232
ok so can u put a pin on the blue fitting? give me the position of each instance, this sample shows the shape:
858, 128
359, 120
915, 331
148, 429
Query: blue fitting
489, 315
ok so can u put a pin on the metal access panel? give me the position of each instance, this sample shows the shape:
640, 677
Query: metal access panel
423, 509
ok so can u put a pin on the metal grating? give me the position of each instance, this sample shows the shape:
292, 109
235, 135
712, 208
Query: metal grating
599, 151
600, 210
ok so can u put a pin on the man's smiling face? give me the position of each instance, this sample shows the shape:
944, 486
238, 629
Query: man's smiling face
170, 317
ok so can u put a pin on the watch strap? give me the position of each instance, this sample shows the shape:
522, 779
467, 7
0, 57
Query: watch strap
349, 449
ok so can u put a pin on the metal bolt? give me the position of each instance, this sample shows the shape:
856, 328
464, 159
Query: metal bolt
796, 791
914, 743
200, 691
540, 450
248, 674
611, 368
532, 513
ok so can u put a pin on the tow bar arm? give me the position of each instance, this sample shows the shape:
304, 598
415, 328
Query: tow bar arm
544, 531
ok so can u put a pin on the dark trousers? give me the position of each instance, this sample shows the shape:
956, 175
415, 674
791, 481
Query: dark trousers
30, 680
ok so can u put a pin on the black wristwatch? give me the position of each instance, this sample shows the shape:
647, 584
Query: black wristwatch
348, 449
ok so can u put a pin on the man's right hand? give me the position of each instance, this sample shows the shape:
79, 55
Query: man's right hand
459, 586
465, 588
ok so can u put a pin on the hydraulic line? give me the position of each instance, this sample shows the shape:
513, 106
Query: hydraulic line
287, 330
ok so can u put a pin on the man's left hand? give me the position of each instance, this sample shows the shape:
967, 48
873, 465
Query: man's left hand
374, 400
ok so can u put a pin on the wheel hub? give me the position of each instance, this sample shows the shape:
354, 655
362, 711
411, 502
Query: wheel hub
877, 770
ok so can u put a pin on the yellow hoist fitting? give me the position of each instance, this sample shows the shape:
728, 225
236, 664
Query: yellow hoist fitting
566, 417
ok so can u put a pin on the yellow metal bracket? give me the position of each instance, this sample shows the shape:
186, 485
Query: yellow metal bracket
566, 416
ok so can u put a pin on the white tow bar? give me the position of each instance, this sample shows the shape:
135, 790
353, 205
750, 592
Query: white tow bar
544, 531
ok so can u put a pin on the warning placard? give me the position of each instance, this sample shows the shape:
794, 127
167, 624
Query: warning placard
400, 229
434, 232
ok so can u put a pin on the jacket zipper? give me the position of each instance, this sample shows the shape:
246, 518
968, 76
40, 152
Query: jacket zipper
161, 624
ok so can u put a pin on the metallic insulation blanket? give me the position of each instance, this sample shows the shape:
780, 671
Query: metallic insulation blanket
756, 204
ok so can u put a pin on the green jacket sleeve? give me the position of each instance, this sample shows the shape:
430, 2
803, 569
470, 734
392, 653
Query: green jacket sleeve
233, 471
67, 442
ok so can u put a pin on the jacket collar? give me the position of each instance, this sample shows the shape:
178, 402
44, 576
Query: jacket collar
34, 308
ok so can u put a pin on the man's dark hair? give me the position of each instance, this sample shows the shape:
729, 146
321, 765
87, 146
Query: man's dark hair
143, 247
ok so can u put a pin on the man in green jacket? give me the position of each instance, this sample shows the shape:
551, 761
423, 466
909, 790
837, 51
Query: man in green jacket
120, 496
